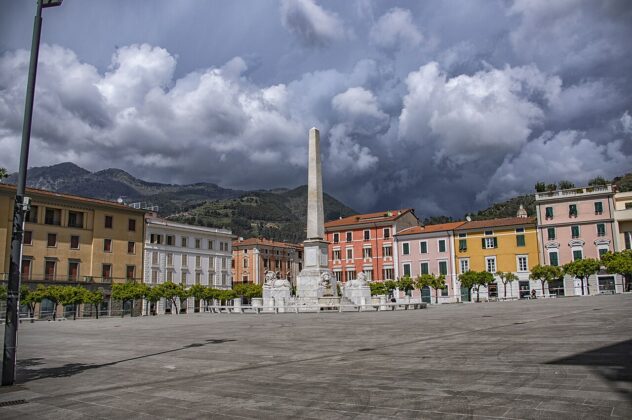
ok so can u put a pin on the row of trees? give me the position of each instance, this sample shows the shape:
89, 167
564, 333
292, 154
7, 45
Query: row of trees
567, 185
407, 284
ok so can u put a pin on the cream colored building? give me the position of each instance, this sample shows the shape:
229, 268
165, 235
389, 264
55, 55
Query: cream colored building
72, 240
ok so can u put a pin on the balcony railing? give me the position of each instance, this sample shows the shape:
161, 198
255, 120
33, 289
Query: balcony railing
572, 192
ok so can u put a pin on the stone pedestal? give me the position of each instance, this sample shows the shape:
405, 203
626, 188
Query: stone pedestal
358, 295
257, 303
315, 280
276, 296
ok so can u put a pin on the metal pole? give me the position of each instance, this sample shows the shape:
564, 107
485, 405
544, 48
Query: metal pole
13, 293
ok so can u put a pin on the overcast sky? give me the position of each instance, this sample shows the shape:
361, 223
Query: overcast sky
444, 106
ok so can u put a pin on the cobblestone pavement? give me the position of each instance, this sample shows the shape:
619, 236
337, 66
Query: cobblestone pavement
565, 358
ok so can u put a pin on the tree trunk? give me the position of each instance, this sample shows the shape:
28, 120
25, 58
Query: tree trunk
505, 285
123, 309
74, 313
175, 306
436, 295
96, 309
588, 285
478, 294
582, 279
543, 288
55, 312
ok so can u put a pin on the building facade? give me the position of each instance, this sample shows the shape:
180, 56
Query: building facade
429, 250
71, 240
623, 228
507, 245
364, 242
188, 255
253, 257
575, 224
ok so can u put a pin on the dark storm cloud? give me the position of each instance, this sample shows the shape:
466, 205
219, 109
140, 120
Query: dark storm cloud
441, 106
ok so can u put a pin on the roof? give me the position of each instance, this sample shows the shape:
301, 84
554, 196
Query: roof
264, 242
430, 228
157, 221
361, 219
507, 221
70, 197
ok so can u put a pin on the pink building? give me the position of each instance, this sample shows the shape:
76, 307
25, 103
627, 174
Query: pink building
429, 250
574, 224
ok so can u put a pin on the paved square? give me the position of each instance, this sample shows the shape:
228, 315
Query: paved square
555, 358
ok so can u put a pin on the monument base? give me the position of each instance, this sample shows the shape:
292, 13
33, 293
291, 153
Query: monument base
276, 297
358, 295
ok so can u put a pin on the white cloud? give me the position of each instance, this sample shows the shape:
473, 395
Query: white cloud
310, 23
626, 123
395, 30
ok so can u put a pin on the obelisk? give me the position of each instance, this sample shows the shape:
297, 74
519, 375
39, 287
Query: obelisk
315, 280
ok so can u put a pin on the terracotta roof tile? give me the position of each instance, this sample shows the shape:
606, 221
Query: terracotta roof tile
359, 219
430, 228
266, 242
507, 221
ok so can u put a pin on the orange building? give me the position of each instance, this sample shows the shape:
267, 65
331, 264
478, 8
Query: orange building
364, 242
253, 257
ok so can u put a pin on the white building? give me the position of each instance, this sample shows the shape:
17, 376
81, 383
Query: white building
188, 255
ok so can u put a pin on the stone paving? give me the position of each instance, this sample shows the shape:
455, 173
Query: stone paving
565, 358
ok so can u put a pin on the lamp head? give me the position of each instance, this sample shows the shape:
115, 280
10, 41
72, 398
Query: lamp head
51, 3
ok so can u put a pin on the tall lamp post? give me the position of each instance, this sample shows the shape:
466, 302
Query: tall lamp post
20, 208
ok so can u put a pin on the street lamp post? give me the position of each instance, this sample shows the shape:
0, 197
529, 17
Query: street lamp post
20, 208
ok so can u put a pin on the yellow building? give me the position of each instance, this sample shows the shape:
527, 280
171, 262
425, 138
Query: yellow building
74, 240
508, 245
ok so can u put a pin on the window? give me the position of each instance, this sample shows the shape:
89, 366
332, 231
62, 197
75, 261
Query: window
550, 234
628, 205
575, 232
154, 276
349, 236
130, 272
75, 219
183, 277
169, 259
369, 275
74, 242
366, 253
462, 245
210, 244
349, 253
28, 237
52, 217
523, 264
388, 274
211, 278
171, 240
423, 247
489, 243
441, 245
266, 263
367, 235
602, 250
183, 260
198, 277
444, 291
154, 238
351, 275
183, 242
106, 271
443, 267
221, 246
131, 225
198, 261
131, 247
387, 233
170, 276
520, 241
108, 222
387, 251
52, 240
224, 279
277, 264
245, 263
577, 254
336, 254
549, 213
338, 275
464, 265
244, 279
405, 248
407, 270
628, 240
154, 258
107, 245
31, 215
554, 258
490, 264
336, 238
25, 272
601, 229
572, 210
211, 263
49, 270
424, 268
224, 263
598, 207
198, 243
73, 270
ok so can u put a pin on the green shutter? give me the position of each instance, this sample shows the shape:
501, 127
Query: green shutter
549, 212
462, 244
554, 259
572, 210
495, 242
441, 246
602, 251
601, 229
406, 269
628, 244
423, 247
575, 231
577, 255
483, 242
443, 267
424, 268
551, 233
598, 207
405, 249
520, 240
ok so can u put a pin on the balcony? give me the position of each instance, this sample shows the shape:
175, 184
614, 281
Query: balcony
623, 215
573, 192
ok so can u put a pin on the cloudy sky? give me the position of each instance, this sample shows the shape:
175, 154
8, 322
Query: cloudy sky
444, 106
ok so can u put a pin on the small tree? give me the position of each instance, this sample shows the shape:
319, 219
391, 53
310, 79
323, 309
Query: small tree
72, 295
598, 181
378, 288
545, 273
565, 185
619, 263
406, 284
153, 296
476, 279
540, 187
506, 278
128, 292
248, 290
551, 187
3, 174
225, 295
94, 298
437, 283
582, 269
172, 292
390, 285
55, 294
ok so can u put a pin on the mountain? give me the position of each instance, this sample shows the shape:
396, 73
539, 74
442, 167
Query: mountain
278, 214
